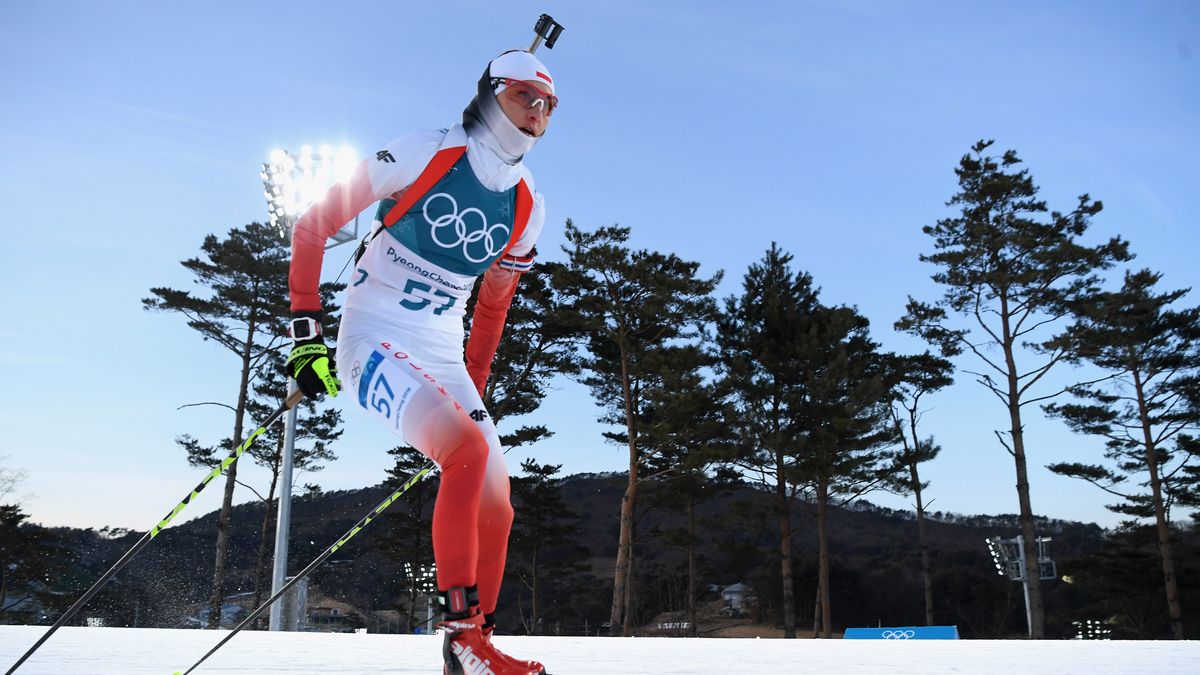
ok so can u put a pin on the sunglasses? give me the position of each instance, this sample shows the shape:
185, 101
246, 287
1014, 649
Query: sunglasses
530, 96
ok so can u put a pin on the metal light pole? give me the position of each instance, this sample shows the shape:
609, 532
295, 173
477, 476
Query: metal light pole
429, 586
292, 183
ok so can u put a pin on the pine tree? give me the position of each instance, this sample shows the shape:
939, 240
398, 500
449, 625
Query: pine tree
685, 447
631, 303
844, 423
244, 309
916, 376
1012, 273
1151, 400
810, 393
760, 361
542, 551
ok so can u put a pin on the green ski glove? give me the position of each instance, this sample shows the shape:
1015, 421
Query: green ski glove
309, 363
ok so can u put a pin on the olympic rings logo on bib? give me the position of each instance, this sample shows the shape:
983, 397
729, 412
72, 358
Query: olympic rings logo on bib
492, 245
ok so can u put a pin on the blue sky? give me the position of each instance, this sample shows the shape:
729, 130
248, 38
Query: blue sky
130, 130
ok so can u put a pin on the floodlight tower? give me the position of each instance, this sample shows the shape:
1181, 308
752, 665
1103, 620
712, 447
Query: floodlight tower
424, 580
1009, 557
291, 184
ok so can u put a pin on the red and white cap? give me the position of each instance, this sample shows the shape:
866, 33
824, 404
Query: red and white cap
521, 65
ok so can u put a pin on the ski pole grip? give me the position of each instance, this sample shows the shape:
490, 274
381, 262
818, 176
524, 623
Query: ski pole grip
546, 29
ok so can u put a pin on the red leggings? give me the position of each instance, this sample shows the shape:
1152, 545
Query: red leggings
433, 405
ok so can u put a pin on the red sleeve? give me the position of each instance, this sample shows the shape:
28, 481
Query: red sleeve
340, 204
491, 310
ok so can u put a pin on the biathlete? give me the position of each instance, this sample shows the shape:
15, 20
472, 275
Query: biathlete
454, 204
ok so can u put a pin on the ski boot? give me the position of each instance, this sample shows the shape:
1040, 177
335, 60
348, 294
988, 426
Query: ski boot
489, 628
466, 651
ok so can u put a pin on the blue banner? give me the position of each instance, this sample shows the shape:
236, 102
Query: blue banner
903, 633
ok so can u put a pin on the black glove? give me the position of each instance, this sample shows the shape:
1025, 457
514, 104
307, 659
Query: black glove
309, 363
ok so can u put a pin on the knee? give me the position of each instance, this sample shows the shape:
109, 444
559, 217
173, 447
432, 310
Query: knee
504, 511
499, 498
497, 512
496, 502
465, 448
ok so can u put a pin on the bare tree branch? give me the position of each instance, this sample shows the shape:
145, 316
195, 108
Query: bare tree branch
223, 405
1000, 437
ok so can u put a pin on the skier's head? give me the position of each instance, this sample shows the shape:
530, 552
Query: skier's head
524, 89
513, 103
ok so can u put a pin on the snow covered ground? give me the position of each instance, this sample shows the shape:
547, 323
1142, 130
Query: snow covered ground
130, 651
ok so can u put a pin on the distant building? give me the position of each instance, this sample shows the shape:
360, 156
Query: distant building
233, 610
330, 617
304, 609
736, 598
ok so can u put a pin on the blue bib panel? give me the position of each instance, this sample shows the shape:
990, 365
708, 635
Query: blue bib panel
459, 225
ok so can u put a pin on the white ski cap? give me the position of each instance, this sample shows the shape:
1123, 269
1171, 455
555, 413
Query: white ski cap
521, 65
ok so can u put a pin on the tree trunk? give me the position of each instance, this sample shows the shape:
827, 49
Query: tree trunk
1029, 535
264, 541
691, 582
823, 560
616, 616
816, 632
923, 540
785, 546
410, 616
1162, 527
631, 584
222, 547
1028, 527
624, 545
533, 600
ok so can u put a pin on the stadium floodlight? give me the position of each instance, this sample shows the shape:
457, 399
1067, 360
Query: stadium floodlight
1006, 557
293, 182
423, 577
1092, 630
429, 578
997, 556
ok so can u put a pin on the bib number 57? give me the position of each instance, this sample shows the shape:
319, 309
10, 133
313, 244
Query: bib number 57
412, 287
381, 403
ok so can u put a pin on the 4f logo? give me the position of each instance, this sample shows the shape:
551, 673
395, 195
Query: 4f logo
385, 157
478, 415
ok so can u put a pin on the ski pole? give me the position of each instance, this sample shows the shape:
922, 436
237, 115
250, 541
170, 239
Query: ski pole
159, 527
416, 478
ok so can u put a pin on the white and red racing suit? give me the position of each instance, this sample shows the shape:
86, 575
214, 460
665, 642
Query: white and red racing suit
455, 207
